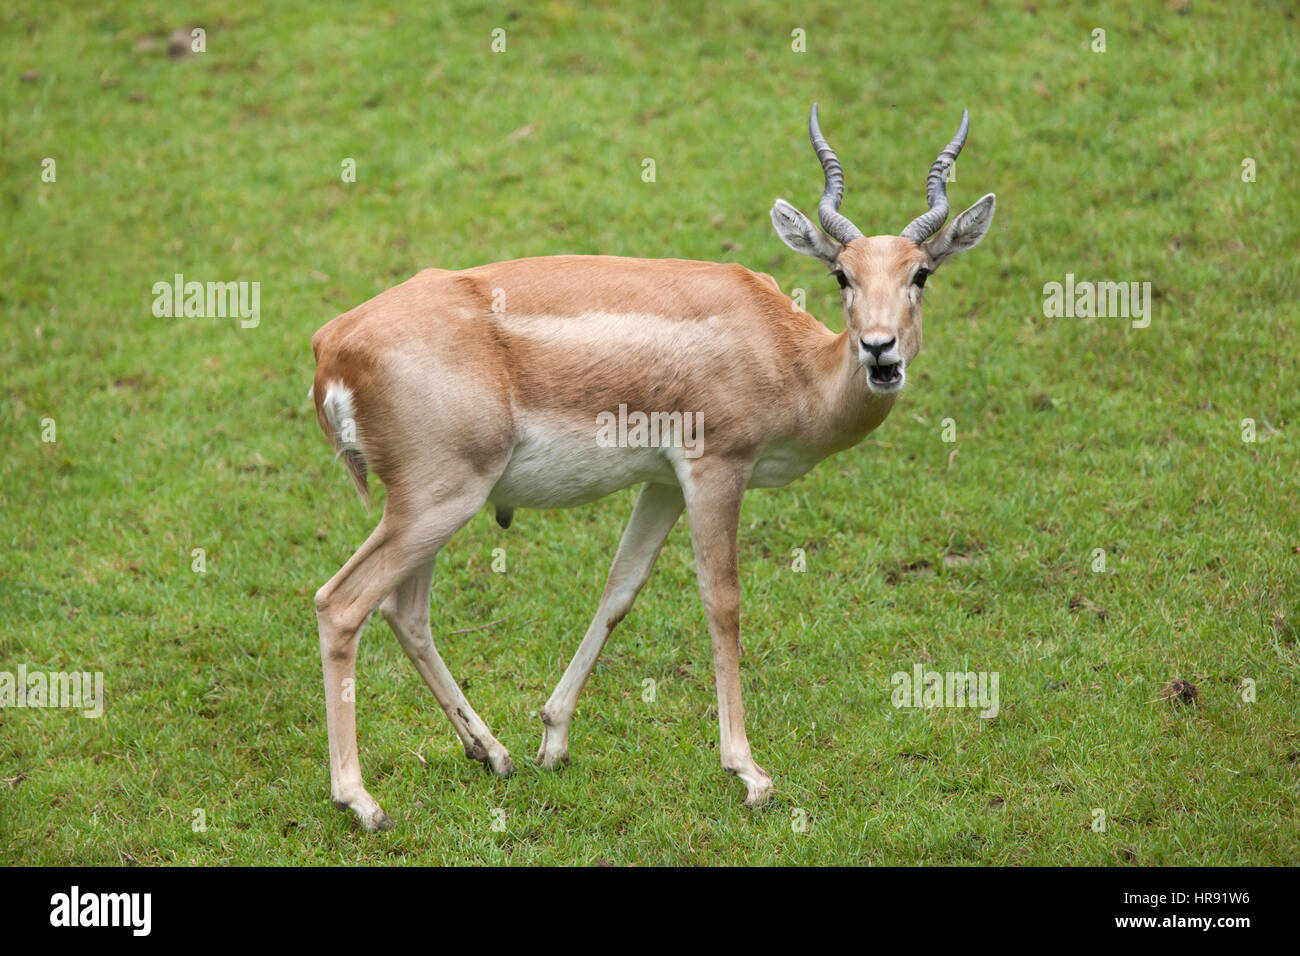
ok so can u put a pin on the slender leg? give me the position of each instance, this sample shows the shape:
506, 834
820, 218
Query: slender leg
714, 490
407, 613
656, 511
397, 547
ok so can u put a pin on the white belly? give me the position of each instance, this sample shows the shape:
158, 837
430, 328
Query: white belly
557, 467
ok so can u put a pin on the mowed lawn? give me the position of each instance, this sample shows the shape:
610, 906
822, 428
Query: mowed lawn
976, 554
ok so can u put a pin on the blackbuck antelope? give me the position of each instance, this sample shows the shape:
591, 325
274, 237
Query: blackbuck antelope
489, 386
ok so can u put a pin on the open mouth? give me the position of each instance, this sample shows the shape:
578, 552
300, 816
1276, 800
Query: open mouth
885, 376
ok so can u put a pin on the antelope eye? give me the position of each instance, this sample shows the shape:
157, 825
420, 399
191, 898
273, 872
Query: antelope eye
918, 280
841, 279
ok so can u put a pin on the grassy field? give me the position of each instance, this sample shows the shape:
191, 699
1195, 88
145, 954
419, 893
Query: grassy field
1071, 434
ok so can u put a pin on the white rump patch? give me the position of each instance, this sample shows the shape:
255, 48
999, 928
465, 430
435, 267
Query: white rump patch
340, 412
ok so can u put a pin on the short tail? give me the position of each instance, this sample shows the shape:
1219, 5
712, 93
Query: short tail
337, 415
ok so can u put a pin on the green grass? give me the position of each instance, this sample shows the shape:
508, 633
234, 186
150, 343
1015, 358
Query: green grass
1072, 434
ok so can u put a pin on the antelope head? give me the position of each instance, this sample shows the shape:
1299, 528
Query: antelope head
882, 277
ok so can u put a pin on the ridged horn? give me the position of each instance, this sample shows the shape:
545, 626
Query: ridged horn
936, 191
837, 227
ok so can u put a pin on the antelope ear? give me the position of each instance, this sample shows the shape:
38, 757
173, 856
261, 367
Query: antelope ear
797, 231
964, 232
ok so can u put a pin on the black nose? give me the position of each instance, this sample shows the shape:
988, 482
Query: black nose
878, 350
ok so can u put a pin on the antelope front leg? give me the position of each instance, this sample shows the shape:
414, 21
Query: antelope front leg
713, 493
657, 509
